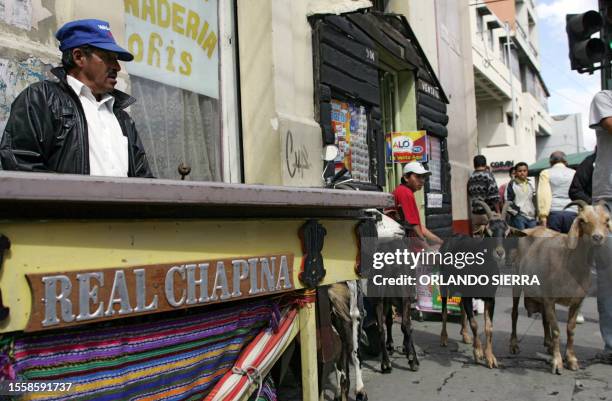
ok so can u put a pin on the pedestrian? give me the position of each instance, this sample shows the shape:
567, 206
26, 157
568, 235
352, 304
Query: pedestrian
521, 194
553, 194
600, 120
413, 179
481, 186
581, 187
77, 124
502, 188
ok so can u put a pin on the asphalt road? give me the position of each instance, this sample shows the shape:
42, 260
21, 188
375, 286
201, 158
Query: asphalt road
451, 374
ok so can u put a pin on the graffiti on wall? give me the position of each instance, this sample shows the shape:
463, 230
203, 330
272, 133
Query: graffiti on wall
15, 76
24, 14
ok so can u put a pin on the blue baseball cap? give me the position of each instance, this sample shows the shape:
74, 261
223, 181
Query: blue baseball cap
93, 32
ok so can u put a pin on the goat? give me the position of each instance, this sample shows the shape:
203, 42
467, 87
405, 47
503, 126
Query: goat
382, 303
346, 320
564, 272
498, 231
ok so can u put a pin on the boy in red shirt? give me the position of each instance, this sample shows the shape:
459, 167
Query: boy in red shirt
412, 181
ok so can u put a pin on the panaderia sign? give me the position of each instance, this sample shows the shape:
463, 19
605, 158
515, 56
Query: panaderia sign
175, 43
77, 297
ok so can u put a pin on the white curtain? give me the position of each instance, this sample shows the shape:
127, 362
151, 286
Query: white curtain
177, 126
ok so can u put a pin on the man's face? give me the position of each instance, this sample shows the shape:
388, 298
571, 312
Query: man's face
521, 173
415, 181
99, 70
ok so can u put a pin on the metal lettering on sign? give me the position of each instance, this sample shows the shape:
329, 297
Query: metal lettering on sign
73, 298
429, 89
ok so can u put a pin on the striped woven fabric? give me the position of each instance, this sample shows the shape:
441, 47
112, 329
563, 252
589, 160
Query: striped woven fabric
170, 359
268, 391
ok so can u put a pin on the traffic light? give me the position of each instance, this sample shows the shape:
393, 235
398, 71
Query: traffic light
584, 51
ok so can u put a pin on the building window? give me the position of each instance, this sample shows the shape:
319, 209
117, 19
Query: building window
509, 119
490, 38
350, 126
175, 78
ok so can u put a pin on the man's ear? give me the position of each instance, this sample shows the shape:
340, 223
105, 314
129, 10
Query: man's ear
78, 56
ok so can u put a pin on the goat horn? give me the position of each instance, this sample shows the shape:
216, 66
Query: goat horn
485, 207
505, 210
578, 202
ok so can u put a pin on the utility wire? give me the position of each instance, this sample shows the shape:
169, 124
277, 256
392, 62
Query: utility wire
566, 73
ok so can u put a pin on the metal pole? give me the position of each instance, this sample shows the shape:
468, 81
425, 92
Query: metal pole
510, 75
605, 63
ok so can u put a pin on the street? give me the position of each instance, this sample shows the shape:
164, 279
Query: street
451, 374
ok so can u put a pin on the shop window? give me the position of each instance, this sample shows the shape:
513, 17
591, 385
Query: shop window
350, 127
175, 79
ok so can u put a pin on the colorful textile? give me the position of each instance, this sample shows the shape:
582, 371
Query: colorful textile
178, 358
268, 391
256, 359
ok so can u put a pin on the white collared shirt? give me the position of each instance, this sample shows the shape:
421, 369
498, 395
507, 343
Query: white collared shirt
108, 147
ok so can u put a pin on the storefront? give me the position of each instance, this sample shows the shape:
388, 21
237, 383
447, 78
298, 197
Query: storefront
373, 79
125, 292
162, 289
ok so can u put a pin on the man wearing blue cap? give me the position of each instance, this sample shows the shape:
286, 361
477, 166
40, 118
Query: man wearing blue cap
77, 124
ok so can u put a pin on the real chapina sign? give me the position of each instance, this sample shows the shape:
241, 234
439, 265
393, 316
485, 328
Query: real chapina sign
78, 297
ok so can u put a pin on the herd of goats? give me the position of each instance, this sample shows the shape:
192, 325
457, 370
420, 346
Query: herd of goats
561, 261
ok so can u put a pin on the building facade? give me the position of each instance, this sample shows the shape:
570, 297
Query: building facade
566, 136
511, 96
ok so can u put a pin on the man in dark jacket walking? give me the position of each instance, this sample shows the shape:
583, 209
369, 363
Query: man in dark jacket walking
77, 125
581, 187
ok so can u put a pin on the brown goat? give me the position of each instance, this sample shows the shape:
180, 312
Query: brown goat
562, 264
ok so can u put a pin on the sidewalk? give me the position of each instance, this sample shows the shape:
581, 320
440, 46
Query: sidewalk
451, 374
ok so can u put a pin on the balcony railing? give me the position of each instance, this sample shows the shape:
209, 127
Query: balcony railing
520, 29
522, 32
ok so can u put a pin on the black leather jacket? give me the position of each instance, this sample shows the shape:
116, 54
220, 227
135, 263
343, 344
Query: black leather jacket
47, 131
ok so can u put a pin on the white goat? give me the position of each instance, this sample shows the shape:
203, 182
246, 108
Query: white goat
563, 268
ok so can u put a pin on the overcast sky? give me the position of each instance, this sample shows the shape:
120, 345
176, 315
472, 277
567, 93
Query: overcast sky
570, 92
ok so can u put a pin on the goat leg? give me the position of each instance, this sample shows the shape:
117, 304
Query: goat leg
548, 343
469, 311
464, 326
360, 393
444, 334
516, 297
389, 324
409, 349
570, 356
385, 365
488, 316
551, 317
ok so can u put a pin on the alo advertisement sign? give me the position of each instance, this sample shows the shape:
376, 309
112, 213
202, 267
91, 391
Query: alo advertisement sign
407, 146
175, 43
